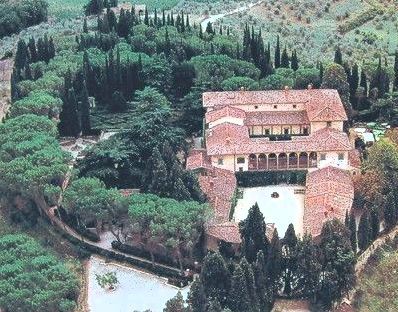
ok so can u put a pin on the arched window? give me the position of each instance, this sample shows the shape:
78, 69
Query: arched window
252, 162
303, 160
282, 161
293, 160
272, 161
262, 162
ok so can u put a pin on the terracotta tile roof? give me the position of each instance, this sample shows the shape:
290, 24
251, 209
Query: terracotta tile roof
231, 139
329, 193
226, 111
219, 187
198, 158
321, 104
354, 158
228, 232
276, 118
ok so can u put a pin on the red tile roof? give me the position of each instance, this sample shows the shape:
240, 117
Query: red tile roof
198, 158
226, 111
231, 139
276, 118
329, 194
320, 104
354, 158
219, 187
227, 231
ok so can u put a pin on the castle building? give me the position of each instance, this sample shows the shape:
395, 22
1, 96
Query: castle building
271, 131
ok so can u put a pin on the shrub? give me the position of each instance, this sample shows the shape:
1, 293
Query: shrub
265, 178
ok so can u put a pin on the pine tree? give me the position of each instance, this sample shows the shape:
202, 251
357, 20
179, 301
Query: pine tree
277, 53
294, 64
196, 297
215, 277
285, 59
214, 306
252, 231
175, 304
338, 57
239, 299
364, 232
353, 233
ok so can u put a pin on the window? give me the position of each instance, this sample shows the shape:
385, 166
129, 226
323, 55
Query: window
275, 106
294, 106
240, 169
305, 130
266, 131
220, 161
329, 123
255, 106
240, 160
286, 131
323, 156
341, 156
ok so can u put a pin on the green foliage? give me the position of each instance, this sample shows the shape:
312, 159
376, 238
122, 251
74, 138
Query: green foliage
237, 83
107, 280
31, 279
37, 103
18, 14
88, 199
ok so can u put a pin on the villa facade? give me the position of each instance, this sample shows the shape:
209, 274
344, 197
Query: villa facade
276, 130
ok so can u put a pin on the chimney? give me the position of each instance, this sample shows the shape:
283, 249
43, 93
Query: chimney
309, 87
286, 88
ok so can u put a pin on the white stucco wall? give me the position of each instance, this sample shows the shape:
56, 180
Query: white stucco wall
318, 125
332, 159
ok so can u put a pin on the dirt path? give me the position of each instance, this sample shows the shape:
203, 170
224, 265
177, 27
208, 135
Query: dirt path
5, 86
214, 18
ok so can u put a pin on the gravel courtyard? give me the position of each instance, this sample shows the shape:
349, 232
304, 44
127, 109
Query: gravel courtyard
136, 291
288, 208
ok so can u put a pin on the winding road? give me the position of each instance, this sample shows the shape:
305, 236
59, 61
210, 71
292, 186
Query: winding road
214, 18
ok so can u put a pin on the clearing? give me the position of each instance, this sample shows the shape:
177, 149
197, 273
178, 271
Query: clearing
287, 208
136, 291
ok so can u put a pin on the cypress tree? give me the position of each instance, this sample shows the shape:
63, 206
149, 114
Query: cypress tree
285, 59
264, 292
158, 180
85, 27
390, 211
163, 18
209, 28
32, 50
146, 17
353, 233
374, 223
250, 284
69, 124
354, 80
396, 71
215, 277
155, 18
364, 232
196, 297
338, 57
239, 299
363, 83
347, 220
294, 64
85, 111
252, 231
214, 306
21, 55
277, 53
289, 259
274, 261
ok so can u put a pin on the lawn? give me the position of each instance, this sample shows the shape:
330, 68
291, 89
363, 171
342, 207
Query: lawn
282, 211
379, 285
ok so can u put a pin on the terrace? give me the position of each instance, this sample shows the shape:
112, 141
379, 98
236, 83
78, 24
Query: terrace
282, 161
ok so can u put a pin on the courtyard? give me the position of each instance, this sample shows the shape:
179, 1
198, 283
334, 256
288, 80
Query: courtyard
283, 210
136, 291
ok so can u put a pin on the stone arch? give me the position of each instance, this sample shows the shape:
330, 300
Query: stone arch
303, 160
252, 162
313, 159
272, 161
262, 162
282, 161
293, 160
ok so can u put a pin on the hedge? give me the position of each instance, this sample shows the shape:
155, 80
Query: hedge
61, 214
265, 178
175, 277
139, 252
